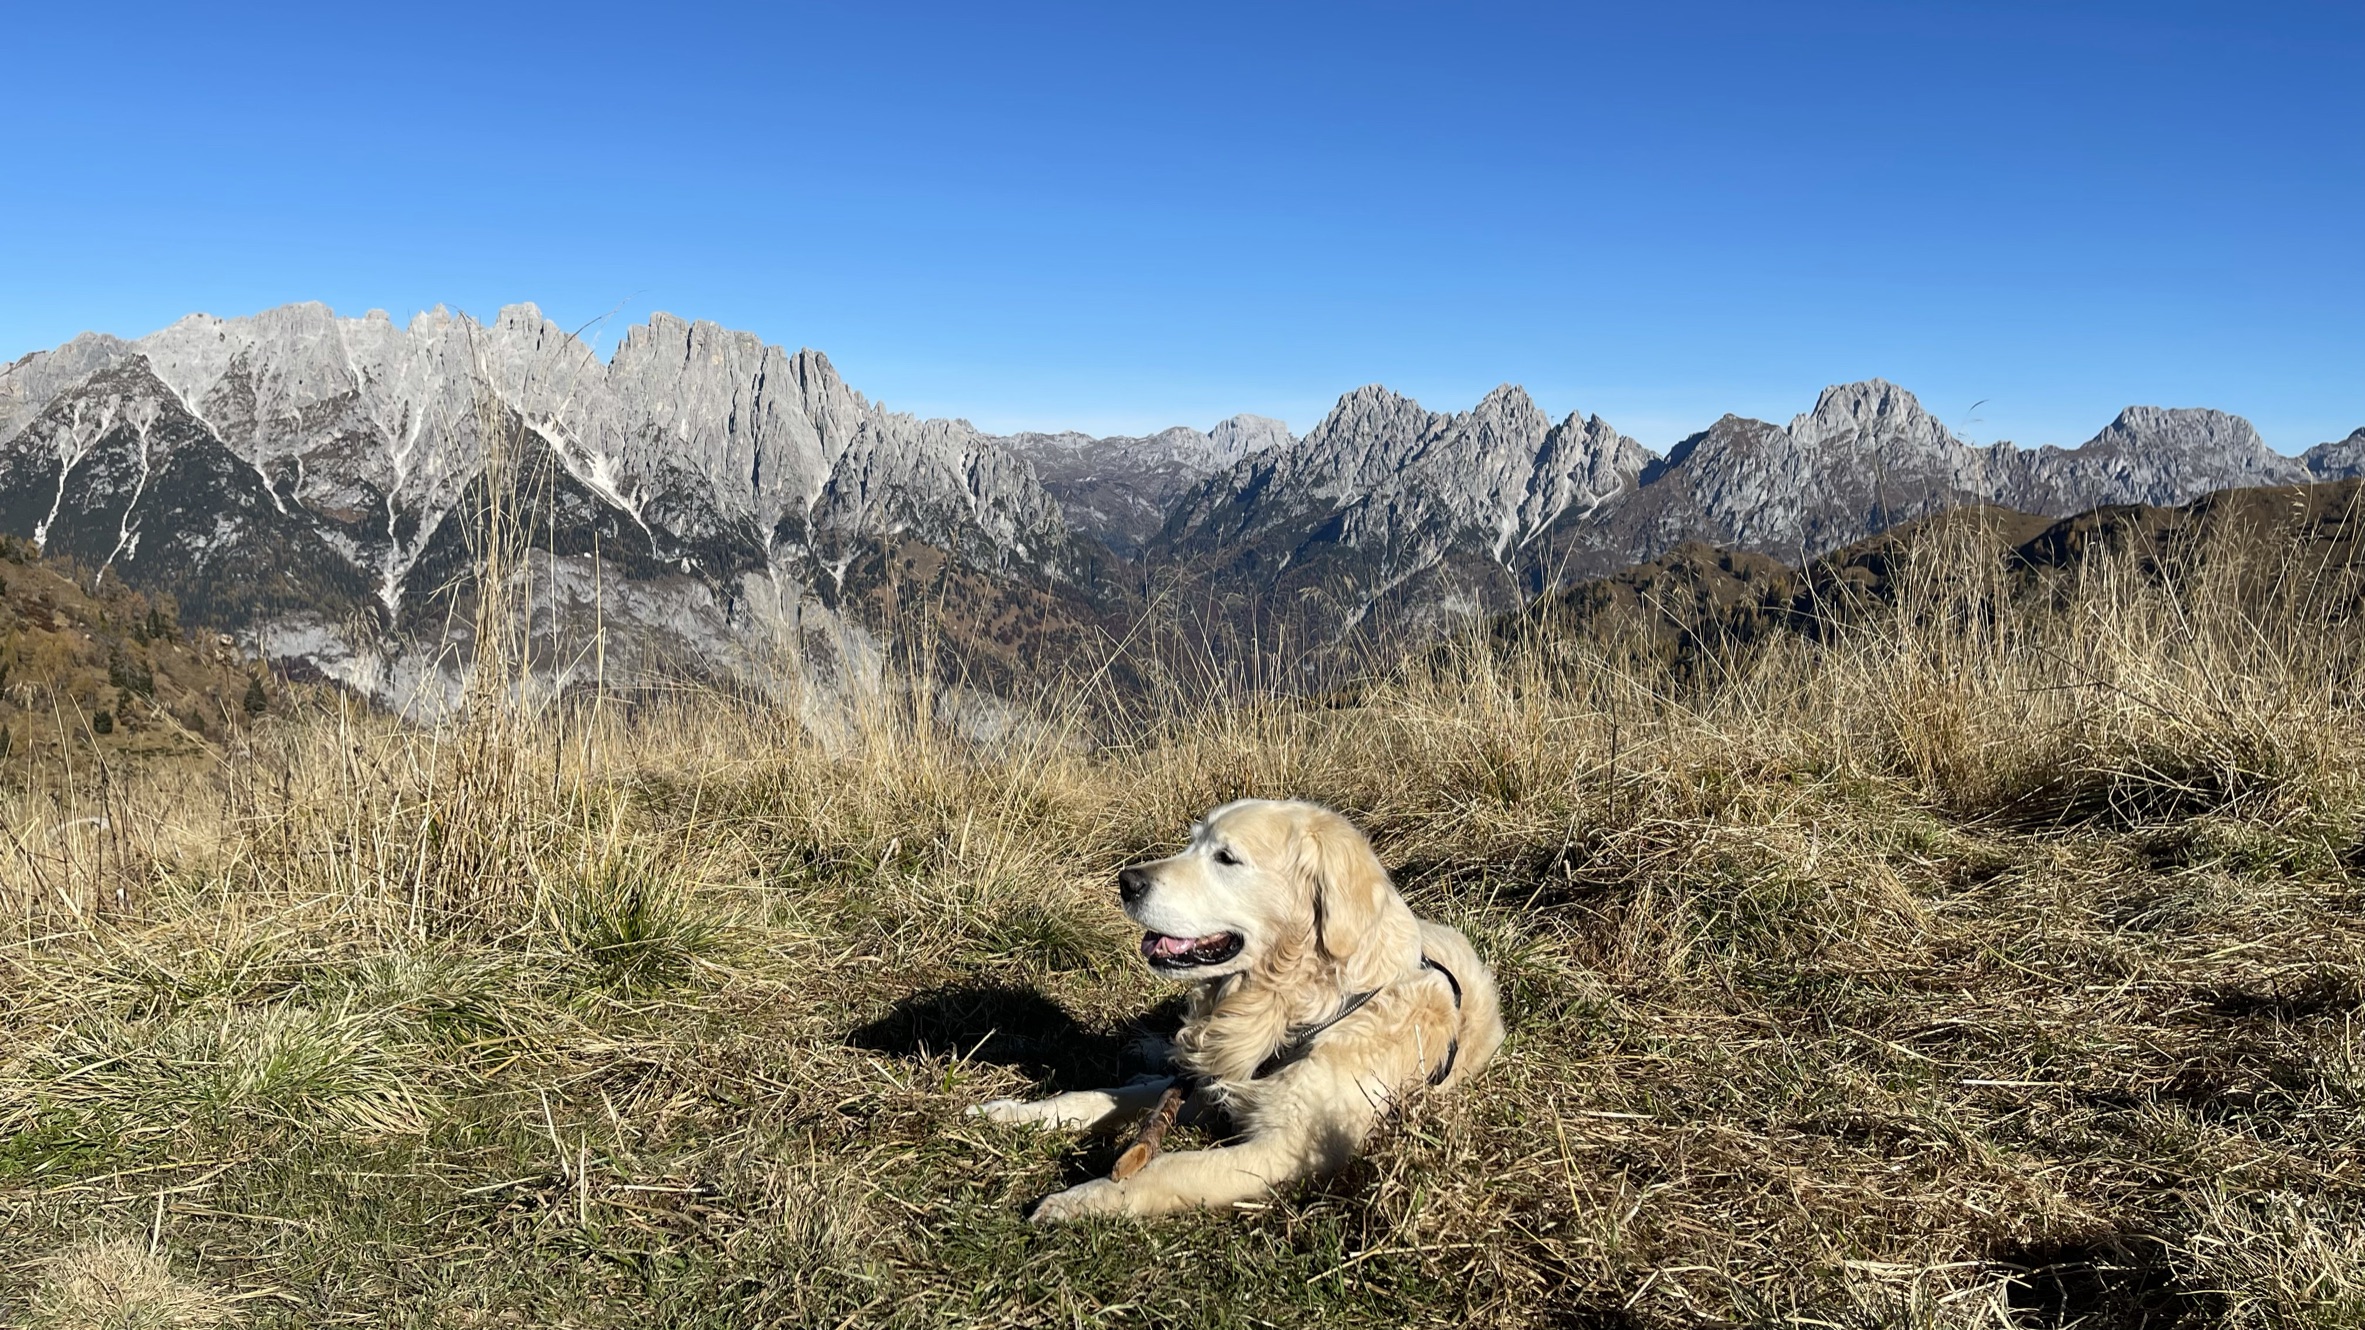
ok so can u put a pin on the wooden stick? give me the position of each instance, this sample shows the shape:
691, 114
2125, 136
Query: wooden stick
1153, 1130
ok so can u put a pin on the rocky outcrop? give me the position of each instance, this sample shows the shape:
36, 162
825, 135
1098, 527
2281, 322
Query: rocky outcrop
35, 379
1388, 504
118, 475
1395, 507
1868, 456
2342, 459
2157, 456
723, 490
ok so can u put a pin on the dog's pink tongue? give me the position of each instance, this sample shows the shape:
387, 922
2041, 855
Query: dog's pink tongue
1171, 946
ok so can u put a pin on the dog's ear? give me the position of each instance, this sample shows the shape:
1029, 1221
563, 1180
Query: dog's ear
1354, 905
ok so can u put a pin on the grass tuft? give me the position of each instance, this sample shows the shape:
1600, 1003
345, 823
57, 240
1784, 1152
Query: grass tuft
209, 1071
118, 1284
635, 926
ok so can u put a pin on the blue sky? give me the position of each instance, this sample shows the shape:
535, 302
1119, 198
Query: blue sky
1121, 217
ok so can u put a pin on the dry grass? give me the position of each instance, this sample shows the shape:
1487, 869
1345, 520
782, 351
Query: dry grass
119, 1284
1984, 965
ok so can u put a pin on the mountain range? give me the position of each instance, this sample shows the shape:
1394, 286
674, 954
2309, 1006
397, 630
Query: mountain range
704, 503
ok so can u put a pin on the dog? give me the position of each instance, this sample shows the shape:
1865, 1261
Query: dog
1317, 1000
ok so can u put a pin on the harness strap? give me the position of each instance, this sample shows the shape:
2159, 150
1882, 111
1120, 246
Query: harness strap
1453, 1045
1300, 1040
1450, 981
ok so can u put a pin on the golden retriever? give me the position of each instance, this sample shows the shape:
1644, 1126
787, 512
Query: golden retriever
1317, 1000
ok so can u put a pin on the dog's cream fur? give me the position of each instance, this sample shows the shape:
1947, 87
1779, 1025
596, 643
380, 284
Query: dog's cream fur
1318, 921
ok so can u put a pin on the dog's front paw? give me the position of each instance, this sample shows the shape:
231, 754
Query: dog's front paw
998, 1110
1097, 1197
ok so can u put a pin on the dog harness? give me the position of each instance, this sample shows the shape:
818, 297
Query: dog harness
1300, 1040
1294, 1047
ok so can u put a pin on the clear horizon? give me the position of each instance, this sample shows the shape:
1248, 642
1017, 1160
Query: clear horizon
1070, 219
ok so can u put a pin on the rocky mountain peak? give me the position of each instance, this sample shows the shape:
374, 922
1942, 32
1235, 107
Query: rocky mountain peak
1372, 408
31, 381
1243, 436
1874, 410
1368, 438
2342, 459
1399, 500
2157, 455
1508, 420
1506, 398
2193, 432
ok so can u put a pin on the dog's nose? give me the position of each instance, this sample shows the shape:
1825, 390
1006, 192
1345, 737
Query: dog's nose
1132, 885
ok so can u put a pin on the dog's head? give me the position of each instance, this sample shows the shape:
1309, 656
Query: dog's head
1258, 882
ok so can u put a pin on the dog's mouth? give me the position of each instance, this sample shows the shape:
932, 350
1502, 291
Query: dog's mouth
1188, 953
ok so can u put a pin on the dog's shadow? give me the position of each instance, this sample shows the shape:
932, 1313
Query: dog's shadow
1021, 1029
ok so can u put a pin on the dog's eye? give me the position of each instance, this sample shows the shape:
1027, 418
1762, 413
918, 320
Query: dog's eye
1226, 857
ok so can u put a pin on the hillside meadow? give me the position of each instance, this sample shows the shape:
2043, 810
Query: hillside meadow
1996, 958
